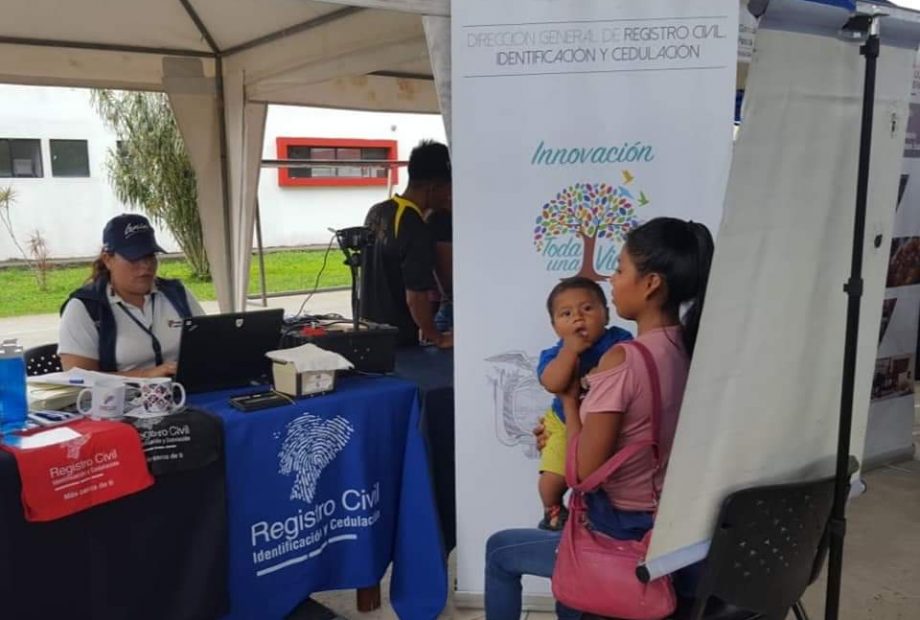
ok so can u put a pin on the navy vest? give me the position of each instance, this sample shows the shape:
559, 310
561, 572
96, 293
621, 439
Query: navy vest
95, 298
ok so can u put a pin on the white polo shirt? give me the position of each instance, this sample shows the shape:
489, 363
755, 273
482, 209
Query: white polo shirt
133, 346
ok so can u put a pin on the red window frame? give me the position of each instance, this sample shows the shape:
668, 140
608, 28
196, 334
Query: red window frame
286, 180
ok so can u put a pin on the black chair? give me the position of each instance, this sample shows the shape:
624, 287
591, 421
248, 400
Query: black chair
42, 360
768, 547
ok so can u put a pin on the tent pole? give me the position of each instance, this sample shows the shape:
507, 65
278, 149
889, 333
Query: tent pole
225, 184
854, 291
261, 255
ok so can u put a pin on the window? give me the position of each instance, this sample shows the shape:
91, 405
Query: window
69, 158
336, 150
20, 158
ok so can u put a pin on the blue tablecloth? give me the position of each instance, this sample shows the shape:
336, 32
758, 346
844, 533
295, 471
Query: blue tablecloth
432, 370
324, 494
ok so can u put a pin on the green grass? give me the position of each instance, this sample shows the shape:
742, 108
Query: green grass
284, 271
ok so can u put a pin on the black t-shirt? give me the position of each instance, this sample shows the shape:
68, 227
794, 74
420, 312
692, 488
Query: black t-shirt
440, 223
400, 258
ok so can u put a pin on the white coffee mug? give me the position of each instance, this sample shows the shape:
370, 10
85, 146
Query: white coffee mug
106, 399
158, 396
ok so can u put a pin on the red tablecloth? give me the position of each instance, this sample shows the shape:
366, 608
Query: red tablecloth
104, 462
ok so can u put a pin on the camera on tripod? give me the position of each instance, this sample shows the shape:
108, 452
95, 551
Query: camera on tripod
370, 346
353, 241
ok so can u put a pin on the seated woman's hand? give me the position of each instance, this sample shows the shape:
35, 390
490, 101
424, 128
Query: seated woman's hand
541, 434
167, 369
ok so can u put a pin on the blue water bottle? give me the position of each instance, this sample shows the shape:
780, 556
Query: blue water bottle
13, 403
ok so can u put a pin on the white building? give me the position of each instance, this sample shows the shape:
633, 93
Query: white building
53, 151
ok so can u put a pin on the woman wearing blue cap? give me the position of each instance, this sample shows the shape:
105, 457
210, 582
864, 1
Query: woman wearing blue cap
125, 319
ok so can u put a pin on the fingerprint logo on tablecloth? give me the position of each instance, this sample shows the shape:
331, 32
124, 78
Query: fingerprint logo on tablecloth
146, 424
310, 445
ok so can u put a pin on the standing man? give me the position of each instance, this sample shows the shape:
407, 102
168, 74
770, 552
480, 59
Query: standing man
399, 266
440, 223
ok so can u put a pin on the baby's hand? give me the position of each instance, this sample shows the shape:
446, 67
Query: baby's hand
577, 341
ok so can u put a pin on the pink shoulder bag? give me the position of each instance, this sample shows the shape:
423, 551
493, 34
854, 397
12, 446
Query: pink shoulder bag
596, 573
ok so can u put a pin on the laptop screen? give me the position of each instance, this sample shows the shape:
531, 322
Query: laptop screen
222, 351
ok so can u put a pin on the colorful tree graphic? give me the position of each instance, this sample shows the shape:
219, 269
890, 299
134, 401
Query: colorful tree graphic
590, 211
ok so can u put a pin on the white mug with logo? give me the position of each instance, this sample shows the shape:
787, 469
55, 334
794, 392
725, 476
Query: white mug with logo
158, 395
106, 399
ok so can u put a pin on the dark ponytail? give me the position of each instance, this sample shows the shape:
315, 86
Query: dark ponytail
99, 269
681, 253
704, 250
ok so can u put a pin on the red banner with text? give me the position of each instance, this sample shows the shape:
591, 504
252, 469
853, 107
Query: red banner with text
93, 463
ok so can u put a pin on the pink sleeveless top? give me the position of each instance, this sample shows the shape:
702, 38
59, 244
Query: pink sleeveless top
625, 390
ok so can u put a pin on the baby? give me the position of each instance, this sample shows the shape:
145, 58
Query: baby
579, 315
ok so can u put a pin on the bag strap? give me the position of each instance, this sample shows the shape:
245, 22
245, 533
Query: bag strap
655, 386
602, 473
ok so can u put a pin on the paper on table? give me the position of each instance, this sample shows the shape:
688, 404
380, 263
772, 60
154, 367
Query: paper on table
52, 396
73, 377
47, 438
309, 357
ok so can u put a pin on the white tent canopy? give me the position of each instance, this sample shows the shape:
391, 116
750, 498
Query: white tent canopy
220, 63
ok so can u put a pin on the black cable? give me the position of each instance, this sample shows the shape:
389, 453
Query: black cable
318, 276
364, 373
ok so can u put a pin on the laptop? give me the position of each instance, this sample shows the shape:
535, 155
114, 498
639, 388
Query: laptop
222, 351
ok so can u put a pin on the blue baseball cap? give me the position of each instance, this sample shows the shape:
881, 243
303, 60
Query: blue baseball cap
130, 236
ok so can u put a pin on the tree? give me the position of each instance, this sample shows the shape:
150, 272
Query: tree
7, 198
38, 256
590, 212
150, 168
